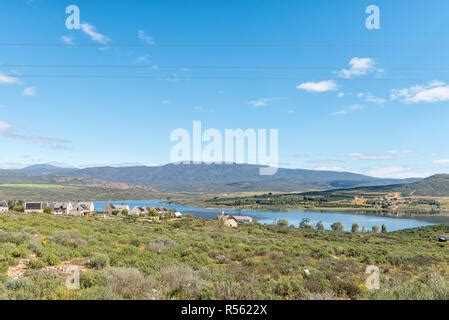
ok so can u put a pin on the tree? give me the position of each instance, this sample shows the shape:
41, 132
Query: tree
319, 226
47, 210
337, 226
355, 228
18, 207
384, 228
124, 212
305, 224
375, 229
282, 223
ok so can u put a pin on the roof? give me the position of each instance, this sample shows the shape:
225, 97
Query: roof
140, 209
86, 206
226, 217
243, 218
120, 207
3, 204
61, 205
34, 205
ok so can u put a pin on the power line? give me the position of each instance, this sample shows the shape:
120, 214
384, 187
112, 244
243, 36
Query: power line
236, 67
230, 45
173, 77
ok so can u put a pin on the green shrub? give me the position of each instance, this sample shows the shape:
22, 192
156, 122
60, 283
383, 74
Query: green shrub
183, 282
99, 261
161, 245
51, 259
337, 226
36, 264
68, 239
130, 284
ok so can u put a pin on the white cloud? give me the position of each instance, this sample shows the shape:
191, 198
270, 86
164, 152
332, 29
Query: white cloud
143, 37
359, 67
340, 95
203, 109
144, 59
363, 156
348, 110
434, 91
7, 131
5, 79
442, 162
29, 91
368, 97
4, 127
322, 86
388, 172
91, 31
67, 40
390, 154
262, 102
12, 165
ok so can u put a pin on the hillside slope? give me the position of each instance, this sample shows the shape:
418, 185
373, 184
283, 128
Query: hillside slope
230, 178
434, 186
198, 178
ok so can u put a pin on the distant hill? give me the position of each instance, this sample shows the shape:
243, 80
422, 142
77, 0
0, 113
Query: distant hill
434, 186
231, 178
43, 169
199, 178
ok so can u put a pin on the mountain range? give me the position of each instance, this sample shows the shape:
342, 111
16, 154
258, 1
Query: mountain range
199, 178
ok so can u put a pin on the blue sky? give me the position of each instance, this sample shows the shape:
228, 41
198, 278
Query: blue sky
369, 101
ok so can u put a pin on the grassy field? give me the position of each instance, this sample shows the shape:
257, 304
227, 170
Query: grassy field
191, 258
55, 192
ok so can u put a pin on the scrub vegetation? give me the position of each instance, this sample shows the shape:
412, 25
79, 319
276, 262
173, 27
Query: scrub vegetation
190, 258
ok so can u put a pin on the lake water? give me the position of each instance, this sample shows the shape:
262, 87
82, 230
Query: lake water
294, 217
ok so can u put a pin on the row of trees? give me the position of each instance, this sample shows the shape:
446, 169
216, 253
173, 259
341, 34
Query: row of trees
336, 226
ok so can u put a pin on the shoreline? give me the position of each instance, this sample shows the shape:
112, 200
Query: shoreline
361, 211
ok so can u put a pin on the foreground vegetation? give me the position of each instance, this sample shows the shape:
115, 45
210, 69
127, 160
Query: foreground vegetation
129, 258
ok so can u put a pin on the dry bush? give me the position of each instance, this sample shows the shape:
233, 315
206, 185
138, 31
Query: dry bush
130, 284
183, 282
161, 245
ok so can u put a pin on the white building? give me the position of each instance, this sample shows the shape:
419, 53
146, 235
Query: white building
4, 206
60, 208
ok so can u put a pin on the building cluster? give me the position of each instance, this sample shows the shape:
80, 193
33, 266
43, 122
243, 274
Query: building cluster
60, 208
81, 209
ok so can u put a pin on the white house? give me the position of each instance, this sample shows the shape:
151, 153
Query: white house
82, 209
177, 214
4, 206
60, 208
139, 211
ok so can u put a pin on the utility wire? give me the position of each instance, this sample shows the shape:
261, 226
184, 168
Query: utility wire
231, 45
235, 67
173, 77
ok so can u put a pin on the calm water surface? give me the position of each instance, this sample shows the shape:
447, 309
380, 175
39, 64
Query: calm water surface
294, 217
